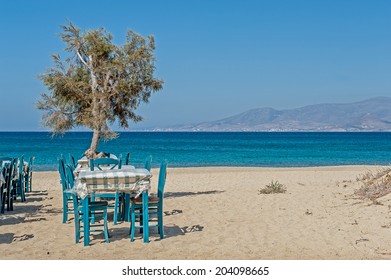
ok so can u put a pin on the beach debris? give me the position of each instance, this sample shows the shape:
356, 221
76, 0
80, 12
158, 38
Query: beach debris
273, 187
355, 222
22, 237
308, 212
173, 212
362, 240
194, 228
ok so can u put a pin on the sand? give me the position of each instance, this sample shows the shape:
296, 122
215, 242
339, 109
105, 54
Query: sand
218, 213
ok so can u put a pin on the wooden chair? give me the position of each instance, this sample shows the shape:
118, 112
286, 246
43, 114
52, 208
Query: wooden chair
19, 180
155, 207
96, 210
108, 163
127, 159
3, 188
67, 200
72, 161
8, 165
148, 163
28, 175
105, 163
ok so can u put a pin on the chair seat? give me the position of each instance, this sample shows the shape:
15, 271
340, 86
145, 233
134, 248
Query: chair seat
98, 204
138, 200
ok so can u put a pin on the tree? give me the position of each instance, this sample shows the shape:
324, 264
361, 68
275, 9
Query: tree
98, 83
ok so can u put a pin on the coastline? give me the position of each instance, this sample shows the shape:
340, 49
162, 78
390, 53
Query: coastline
217, 213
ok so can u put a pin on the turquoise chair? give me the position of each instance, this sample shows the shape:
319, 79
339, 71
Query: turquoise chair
155, 207
126, 159
96, 210
18, 182
72, 161
105, 163
67, 200
8, 164
108, 163
148, 163
3, 189
29, 176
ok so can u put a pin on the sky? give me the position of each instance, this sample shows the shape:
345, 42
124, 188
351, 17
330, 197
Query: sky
217, 58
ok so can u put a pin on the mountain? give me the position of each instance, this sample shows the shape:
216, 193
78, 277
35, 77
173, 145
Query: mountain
368, 115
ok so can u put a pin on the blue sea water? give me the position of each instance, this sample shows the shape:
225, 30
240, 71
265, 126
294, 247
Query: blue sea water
192, 149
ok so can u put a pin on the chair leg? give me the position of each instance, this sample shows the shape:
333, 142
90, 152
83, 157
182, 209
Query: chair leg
92, 216
64, 209
106, 229
160, 223
133, 222
116, 206
77, 227
31, 182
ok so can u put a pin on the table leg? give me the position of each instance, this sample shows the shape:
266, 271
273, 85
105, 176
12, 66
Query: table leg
145, 217
86, 222
126, 207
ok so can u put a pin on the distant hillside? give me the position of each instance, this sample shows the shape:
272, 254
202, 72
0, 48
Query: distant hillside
369, 115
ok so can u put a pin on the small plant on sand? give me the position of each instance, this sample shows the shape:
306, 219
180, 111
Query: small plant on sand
374, 184
273, 187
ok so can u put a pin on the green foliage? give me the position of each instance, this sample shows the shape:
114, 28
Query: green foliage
99, 82
273, 187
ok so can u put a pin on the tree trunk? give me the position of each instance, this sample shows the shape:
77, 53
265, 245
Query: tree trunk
92, 151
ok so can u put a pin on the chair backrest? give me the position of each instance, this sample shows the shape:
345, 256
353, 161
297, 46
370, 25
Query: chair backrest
21, 168
5, 159
63, 177
11, 169
30, 166
162, 180
148, 163
72, 161
70, 177
127, 159
31, 163
111, 163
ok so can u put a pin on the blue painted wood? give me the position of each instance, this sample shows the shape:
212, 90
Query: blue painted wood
112, 163
8, 196
93, 209
28, 176
66, 195
148, 163
19, 184
126, 159
141, 211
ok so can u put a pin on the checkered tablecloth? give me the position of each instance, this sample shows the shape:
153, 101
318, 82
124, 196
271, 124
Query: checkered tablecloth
126, 179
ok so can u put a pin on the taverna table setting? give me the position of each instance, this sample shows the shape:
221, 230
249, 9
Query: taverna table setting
102, 177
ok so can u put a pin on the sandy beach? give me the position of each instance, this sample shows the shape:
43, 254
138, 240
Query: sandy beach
218, 213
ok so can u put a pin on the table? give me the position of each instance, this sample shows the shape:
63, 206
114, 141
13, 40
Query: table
127, 179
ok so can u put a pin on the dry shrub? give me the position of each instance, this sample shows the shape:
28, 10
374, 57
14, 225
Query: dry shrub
273, 187
374, 184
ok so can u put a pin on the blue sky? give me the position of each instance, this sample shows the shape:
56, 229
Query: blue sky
217, 58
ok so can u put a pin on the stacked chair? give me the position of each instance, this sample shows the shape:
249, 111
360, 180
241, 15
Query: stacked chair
19, 180
7, 189
28, 176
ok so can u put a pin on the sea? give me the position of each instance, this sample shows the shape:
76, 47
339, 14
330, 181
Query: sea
196, 149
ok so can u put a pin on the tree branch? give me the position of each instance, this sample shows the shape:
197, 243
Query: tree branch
81, 59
